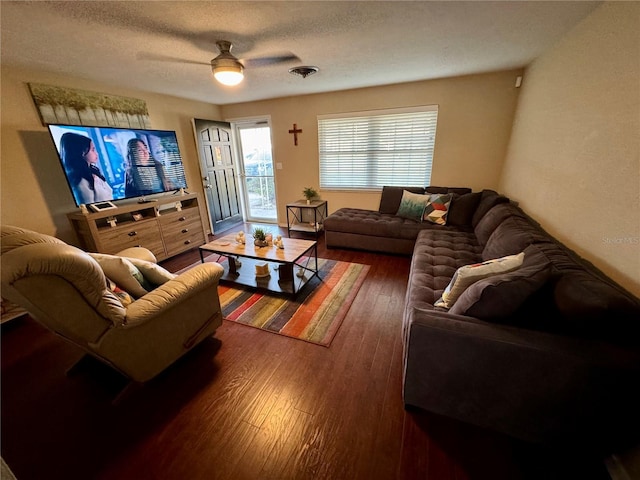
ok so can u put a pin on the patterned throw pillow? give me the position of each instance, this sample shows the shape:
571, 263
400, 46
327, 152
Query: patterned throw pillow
123, 296
469, 274
412, 205
437, 208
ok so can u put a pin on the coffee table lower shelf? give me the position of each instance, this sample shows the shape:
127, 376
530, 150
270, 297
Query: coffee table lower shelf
283, 278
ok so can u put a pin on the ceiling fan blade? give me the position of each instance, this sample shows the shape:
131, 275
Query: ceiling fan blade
156, 57
274, 60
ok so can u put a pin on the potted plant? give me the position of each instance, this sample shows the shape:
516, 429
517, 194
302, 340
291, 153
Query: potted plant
309, 193
259, 237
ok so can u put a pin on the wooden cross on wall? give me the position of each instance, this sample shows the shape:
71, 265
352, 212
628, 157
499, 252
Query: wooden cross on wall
295, 132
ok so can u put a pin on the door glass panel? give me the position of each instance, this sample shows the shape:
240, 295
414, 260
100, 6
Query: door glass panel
260, 194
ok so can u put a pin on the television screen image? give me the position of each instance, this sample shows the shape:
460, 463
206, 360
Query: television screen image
107, 163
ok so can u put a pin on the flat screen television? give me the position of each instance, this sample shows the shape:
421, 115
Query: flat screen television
104, 164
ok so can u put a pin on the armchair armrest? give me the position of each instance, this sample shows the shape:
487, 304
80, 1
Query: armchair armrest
172, 292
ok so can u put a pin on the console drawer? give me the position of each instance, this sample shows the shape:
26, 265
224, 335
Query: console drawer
182, 230
143, 234
190, 236
174, 220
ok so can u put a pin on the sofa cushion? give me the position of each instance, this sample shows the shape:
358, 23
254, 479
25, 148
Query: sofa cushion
437, 208
499, 296
469, 274
456, 190
437, 254
494, 217
412, 205
391, 197
462, 208
513, 235
598, 309
356, 221
488, 200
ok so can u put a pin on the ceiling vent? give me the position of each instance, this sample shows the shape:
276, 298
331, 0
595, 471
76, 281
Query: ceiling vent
304, 71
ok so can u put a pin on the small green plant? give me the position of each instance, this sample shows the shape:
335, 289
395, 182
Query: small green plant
259, 234
309, 193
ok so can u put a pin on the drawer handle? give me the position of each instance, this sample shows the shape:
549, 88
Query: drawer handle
187, 242
182, 219
132, 234
185, 230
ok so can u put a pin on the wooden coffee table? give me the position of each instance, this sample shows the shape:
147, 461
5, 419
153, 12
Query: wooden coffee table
301, 255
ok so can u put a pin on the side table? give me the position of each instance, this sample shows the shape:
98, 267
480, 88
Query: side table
306, 217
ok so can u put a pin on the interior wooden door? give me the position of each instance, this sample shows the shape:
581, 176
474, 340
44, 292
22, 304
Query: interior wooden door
215, 149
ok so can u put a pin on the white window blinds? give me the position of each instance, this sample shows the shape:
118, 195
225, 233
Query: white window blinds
367, 150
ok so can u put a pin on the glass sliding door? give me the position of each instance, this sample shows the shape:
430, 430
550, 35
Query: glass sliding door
254, 143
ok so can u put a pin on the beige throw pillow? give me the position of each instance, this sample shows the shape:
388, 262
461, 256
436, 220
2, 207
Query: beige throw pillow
469, 274
124, 273
152, 272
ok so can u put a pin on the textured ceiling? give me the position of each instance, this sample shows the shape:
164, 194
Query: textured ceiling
164, 47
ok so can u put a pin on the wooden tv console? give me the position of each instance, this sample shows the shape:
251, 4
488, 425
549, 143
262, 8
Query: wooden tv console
161, 227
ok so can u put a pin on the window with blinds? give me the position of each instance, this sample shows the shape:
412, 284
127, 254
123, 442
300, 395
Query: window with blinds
368, 150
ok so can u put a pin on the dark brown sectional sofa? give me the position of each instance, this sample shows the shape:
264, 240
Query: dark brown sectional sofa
547, 353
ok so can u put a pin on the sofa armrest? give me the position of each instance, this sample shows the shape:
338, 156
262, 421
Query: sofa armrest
532, 385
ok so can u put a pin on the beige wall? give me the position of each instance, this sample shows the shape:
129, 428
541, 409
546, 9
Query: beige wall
574, 159
475, 116
34, 192
474, 125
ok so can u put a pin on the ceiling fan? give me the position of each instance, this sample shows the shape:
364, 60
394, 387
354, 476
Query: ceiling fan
228, 69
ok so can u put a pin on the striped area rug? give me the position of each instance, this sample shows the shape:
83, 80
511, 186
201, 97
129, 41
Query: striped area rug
316, 313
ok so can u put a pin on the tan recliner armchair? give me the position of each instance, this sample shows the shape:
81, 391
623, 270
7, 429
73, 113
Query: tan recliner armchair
66, 290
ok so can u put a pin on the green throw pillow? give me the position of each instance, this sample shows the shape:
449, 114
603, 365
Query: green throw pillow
412, 205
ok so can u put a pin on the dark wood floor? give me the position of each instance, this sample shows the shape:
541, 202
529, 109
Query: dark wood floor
248, 404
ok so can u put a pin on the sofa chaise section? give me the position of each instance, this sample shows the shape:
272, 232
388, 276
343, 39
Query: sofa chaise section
382, 230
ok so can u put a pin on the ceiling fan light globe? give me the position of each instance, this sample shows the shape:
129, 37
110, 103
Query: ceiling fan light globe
228, 77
